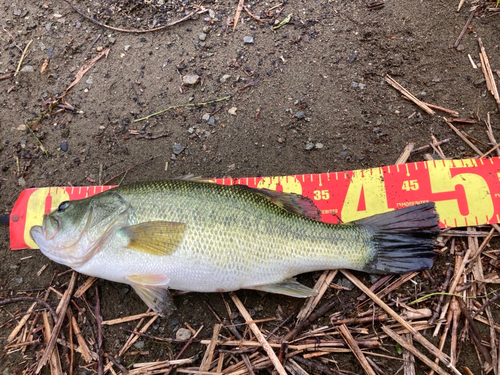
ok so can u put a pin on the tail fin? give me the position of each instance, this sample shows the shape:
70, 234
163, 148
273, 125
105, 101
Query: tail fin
403, 239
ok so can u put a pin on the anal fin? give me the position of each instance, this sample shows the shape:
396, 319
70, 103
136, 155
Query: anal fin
290, 287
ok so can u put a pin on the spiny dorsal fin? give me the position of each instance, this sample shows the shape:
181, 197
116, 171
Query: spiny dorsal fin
294, 203
154, 237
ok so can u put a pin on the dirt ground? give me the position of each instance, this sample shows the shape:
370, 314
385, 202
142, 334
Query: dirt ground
317, 80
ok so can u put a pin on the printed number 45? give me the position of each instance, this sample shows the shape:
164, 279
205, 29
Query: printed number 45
410, 185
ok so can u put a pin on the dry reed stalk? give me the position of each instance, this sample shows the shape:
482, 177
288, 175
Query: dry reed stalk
209, 353
417, 336
391, 81
321, 286
406, 153
83, 288
129, 318
401, 341
21, 324
57, 327
356, 350
258, 334
471, 145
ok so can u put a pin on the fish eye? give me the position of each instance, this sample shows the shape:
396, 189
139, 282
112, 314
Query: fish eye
63, 206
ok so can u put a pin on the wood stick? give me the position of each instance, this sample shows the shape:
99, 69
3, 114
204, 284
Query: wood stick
442, 109
128, 318
464, 29
418, 337
488, 73
401, 341
391, 81
321, 286
83, 288
55, 333
439, 143
21, 324
406, 153
85, 351
258, 334
489, 131
356, 350
133, 338
209, 353
55, 361
471, 145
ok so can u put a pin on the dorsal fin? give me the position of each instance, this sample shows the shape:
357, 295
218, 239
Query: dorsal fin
291, 202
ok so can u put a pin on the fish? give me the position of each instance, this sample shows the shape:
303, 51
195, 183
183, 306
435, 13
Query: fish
197, 236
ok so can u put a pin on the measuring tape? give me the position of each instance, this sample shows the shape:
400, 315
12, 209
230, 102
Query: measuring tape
466, 192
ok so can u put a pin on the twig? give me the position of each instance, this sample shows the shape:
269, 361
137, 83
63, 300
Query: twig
476, 336
406, 153
209, 352
128, 318
98, 319
471, 145
464, 29
488, 73
30, 299
22, 58
203, 10
489, 131
84, 69
391, 81
133, 338
418, 337
401, 341
85, 351
57, 327
321, 286
442, 109
356, 350
238, 13
258, 334
21, 324
427, 146
83, 288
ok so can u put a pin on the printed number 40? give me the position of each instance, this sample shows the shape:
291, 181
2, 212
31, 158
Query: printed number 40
410, 185
321, 195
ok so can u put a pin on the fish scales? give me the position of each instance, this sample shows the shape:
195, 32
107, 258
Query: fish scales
244, 235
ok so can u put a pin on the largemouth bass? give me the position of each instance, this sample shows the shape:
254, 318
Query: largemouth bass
202, 237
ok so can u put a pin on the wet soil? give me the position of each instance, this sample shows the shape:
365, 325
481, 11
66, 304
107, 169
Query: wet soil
317, 79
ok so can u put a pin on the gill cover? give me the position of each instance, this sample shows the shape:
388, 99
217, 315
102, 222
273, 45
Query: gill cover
77, 230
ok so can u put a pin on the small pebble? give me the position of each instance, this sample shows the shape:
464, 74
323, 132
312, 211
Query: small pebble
90, 80
28, 69
177, 149
352, 57
206, 117
202, 36
64, 146
190, 79
224, 78
309, 146
211, 121
126, 47
183, 334
48, 26
248, 40
17, 280
300, 115
460, 47
318, 145
139, 344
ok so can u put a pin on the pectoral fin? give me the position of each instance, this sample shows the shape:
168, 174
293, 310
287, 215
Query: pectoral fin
157, 298
154, 237
290, 287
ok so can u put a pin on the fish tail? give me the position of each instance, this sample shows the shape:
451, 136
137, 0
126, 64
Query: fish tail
403, 239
